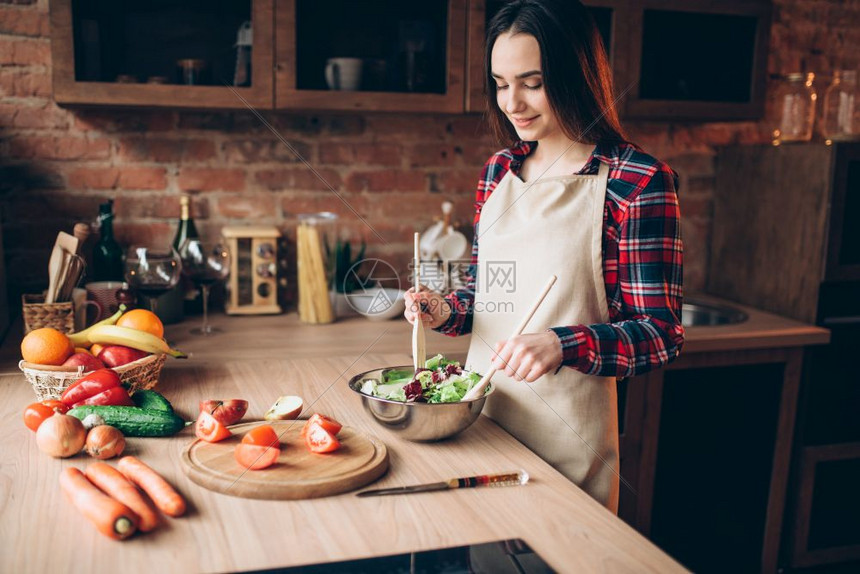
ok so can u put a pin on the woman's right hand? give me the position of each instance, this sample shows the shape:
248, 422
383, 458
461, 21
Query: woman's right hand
435, 310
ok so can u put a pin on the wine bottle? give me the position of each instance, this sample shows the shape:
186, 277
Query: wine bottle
171, 305
107, 254
187, 230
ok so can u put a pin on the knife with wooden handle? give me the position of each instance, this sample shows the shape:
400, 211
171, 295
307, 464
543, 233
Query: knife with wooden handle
516, 478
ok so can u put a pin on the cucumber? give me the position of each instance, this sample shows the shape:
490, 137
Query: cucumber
147, 399
133, 421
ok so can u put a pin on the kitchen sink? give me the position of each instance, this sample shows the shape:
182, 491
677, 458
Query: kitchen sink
697, 313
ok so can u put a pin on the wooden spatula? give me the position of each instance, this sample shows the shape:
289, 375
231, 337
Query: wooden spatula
419, 352
478, 390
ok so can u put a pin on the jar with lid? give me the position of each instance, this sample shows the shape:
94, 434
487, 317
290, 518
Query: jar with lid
314, 271
795, 102
840, 118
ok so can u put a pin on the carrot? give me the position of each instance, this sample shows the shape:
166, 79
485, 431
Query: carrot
112, 518
162, 494
114, 483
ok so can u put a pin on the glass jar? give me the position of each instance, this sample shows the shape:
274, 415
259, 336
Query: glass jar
796, 103
313, 234
840, 118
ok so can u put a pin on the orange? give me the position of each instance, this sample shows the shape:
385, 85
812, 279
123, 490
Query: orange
96, 349
142, 320
46, 346
82, 350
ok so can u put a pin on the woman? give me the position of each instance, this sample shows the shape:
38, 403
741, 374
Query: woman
569, 197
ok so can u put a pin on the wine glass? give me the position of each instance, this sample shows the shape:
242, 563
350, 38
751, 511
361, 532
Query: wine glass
205, 265
152, 271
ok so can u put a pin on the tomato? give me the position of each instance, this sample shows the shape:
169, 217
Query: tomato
225, 412
90, 385
209, 429
263, 435
256, 457
328, 423
320, 440
35, 414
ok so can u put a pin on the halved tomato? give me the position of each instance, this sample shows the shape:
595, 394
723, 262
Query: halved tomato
263, 435
320, 440
256, 457
209, 429
35, 414
328, 423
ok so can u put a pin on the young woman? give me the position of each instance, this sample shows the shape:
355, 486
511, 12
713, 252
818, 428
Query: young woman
569, 197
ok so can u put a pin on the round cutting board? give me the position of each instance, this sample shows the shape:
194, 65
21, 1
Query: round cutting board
298, 474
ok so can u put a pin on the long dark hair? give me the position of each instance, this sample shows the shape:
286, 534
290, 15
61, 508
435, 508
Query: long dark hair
575, 68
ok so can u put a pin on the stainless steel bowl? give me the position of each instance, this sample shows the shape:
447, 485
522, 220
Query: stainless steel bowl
418, 422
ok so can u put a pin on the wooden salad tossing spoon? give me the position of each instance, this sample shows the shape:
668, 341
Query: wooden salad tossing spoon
419, 352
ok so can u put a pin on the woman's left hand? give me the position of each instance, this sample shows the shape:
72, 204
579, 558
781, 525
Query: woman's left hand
528, 357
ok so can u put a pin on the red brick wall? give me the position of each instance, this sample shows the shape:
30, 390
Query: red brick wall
395, 170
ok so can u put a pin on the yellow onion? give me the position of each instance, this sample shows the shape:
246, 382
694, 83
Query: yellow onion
61, 436
104, 442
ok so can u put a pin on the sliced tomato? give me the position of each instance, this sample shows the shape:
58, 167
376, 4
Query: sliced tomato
35, 414
328, 423
320, 440
256, 457
209, 429
263, 435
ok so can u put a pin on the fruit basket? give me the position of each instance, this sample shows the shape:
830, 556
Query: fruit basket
49, 382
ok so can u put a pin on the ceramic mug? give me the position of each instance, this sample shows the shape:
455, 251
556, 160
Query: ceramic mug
343, 73
103, 293
80, 304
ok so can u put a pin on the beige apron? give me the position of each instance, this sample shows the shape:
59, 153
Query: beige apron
529, 231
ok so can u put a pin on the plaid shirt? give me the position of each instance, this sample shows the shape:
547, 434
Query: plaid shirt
642, 265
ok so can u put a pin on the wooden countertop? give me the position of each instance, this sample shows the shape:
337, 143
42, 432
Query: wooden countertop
41, 532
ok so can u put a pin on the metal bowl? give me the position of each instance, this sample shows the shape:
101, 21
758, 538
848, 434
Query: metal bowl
418, 422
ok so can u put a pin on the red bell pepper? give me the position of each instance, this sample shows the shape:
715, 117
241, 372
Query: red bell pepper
97, 388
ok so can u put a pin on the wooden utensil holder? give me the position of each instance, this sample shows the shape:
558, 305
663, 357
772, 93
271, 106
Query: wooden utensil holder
38, 314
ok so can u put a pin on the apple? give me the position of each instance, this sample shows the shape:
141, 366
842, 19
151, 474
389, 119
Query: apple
285, 408
85, 360
225, 412
116, 355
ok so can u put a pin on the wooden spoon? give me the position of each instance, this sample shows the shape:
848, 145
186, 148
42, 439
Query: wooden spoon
478, 390
419, 352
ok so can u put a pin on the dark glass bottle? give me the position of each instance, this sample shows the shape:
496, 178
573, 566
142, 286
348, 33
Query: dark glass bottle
187, 230
107, 254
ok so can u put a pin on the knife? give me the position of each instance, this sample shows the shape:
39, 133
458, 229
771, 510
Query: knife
506, 479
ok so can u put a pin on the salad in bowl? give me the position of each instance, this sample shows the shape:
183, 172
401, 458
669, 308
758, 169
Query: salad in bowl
440, 381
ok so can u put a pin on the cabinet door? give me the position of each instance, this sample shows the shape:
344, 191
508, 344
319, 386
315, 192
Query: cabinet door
97, 43
609, 15
382, 56
843, 252
698, 59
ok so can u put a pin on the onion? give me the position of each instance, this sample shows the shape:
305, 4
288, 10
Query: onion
61, 436
104, 442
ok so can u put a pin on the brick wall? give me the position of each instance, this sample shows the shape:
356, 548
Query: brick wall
394, 170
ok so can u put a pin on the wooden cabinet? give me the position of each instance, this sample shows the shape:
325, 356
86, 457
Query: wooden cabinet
713, 494
95, 43
671, 59
785, 240
413, 54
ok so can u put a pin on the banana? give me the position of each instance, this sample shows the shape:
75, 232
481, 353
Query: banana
81, 338
141, 340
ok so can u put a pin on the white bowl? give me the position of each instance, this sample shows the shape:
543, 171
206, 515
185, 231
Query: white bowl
378, 303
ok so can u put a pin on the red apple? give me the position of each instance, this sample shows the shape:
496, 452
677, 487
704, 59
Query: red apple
86, 360
116, 355
225, 412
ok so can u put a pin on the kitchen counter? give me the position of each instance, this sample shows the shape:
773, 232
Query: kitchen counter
41, 532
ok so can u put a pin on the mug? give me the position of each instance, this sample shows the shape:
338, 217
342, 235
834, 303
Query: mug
343, 73
103, 293
80, 304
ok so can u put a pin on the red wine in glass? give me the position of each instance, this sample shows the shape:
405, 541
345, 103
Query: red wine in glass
204, 265
152, 271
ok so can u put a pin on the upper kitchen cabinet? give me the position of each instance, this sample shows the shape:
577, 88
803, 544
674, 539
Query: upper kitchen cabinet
386, 55
697, 59
609, 15
163, 53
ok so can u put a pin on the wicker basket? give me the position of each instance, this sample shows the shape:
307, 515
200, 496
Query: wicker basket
38, 314
50, 382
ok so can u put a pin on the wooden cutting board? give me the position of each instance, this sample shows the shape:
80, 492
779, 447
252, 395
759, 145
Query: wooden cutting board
298, 473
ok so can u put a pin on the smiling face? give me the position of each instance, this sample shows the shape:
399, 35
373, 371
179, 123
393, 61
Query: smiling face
520, 93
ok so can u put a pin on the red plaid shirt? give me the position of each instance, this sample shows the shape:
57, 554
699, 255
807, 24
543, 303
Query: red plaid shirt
642, 265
